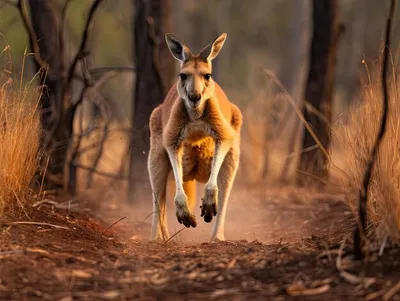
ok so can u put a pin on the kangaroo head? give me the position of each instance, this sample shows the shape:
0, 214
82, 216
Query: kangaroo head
195, 83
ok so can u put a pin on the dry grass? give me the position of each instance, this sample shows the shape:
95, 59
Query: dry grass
266, 132
355, 138
19, 141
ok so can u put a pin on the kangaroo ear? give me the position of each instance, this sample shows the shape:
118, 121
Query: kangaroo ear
211, 51
178, 50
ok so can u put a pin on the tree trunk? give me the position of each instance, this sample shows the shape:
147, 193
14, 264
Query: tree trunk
352, 60
46, 26
319, 90
155, 69
298, 63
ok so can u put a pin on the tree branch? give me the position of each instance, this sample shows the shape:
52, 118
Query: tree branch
99, 172
99, 153
82, 48
61, 37
361, 227
21, 5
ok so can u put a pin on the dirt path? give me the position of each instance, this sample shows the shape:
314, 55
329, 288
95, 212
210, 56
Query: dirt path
277, 250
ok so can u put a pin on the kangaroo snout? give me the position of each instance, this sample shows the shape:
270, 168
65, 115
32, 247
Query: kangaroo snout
194, 97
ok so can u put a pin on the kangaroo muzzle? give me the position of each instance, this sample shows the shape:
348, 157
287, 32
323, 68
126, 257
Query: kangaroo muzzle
194, 97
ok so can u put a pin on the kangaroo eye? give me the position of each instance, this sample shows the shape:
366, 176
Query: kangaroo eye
183, 76
207, 76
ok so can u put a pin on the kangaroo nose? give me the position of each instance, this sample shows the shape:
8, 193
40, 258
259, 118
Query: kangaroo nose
194, 97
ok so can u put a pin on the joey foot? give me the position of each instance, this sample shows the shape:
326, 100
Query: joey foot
209, 206
182, 211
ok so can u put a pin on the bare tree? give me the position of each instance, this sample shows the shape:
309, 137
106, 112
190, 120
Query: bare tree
155, 69
45, 27
58, 103
319, 90
47, 42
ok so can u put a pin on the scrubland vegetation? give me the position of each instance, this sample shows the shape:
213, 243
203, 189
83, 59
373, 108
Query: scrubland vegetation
20, 134
354, 135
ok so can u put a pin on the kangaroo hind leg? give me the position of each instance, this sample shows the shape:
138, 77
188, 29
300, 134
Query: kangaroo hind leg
158, 167
226, 178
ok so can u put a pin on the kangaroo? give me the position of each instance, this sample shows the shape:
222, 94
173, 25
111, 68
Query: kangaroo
195, 133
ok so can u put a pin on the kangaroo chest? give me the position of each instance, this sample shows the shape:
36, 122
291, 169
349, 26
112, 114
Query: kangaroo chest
195, 131
198, 151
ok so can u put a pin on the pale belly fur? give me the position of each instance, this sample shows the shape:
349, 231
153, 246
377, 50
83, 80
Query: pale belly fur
197, 159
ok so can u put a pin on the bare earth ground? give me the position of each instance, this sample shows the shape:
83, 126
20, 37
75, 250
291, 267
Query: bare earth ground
282, 245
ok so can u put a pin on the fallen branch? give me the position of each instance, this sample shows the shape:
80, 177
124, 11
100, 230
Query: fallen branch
300, 290
64, 205
391, 292
374, 295
10, 252
40, 224
348, 277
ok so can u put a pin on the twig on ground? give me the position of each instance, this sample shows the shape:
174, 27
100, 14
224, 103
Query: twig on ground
175, 234
37, 250
39, 224
351, 278
328, 254
374, 295
45, 201
391, 292
302, 291
22, 205
12, 252
112, 225
64, 205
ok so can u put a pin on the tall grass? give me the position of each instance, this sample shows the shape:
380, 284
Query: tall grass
355, 138
19, 141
